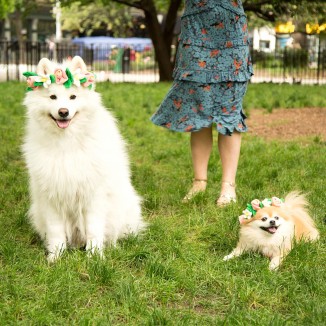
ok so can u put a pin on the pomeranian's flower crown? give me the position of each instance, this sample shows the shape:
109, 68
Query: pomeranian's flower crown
256, 205
60, 77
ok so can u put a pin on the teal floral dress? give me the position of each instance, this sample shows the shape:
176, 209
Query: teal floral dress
212, 69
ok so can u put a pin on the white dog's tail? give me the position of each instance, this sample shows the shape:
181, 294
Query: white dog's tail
297, 204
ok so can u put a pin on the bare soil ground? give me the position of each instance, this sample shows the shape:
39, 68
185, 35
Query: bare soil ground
288, 124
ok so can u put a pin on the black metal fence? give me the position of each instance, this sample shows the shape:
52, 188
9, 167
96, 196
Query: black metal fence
131, 63
137, 64
290, 65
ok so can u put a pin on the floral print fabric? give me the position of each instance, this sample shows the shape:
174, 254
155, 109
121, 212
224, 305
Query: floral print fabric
212, 69
219, 103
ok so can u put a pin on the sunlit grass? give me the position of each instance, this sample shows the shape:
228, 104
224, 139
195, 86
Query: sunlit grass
174, 274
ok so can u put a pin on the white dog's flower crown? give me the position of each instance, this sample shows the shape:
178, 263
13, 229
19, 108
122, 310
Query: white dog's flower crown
256, 205
60, 77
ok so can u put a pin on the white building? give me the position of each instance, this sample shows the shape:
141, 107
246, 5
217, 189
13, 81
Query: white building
264, 39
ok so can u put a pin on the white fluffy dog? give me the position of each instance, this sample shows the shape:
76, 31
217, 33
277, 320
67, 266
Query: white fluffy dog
81, 193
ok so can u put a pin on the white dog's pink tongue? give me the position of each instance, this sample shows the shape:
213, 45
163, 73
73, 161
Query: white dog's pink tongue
62, 123
272, 229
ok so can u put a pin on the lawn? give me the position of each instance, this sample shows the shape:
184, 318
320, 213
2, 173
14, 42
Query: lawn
173, 274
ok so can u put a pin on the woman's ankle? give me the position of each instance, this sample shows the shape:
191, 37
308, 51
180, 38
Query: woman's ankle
228, 188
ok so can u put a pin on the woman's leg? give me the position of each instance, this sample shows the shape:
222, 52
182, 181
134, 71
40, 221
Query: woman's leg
229, 148
201, 146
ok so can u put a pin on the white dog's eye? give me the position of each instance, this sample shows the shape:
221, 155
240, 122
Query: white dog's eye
264, 219
72, 97
53, 97
276, 217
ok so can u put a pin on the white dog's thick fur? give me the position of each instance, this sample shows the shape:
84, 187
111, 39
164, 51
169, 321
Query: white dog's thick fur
81, 193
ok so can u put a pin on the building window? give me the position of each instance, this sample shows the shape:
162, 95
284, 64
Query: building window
264, 45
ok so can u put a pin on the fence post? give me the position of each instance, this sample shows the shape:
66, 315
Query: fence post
7, 59
17, 59
318, 60
92, 56
284, 64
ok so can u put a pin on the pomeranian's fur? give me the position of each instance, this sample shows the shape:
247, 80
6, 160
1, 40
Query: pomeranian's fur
273, 230
80, 187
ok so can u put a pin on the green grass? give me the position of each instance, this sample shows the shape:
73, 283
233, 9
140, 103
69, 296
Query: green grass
272, 96
174, 273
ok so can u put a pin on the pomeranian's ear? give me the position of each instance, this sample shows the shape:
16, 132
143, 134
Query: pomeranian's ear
78, 63
44, 67
242, 219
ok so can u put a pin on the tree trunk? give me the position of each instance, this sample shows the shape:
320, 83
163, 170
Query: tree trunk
162, 51
162, 39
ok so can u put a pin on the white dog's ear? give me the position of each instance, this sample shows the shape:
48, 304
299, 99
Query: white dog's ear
44, 67
78, 62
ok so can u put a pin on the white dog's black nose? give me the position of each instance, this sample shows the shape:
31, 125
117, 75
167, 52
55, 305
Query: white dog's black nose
63, 112
272, 222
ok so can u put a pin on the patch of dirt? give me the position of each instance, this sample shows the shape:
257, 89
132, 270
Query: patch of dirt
288, 124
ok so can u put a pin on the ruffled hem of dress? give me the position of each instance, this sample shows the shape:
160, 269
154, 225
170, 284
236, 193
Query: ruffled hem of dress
209, 76
226, 129
221, 126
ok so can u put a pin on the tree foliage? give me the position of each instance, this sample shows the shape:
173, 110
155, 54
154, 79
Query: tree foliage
6, 7
280, 10
87, 18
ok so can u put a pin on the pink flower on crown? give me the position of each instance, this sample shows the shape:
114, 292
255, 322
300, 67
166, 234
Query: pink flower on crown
60, 76
255, 204
90, 79
276, 202
30, 82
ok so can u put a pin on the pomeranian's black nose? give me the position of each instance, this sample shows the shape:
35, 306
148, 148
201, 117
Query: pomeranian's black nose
272, 222
63, 113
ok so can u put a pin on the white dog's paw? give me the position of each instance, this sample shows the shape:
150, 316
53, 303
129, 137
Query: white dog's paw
228, 257
54, 252
275, 263
273, 267
235, 253
53, 257
95, 252
94, 247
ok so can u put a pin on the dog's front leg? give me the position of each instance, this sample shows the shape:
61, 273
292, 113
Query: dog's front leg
95, 228
96, 223
55, 239
235, 253
277, 259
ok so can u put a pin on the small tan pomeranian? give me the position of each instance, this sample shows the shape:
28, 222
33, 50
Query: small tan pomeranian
273, 225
